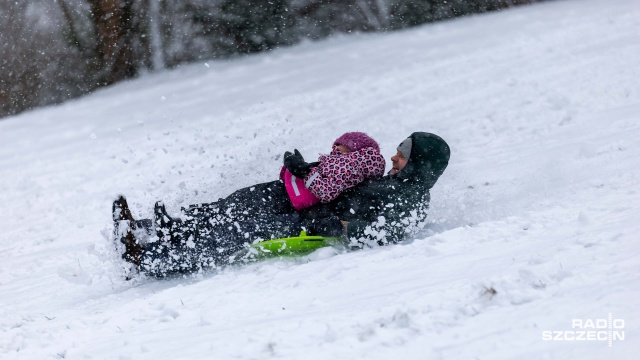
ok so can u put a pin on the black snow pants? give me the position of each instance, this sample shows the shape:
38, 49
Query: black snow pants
208, 235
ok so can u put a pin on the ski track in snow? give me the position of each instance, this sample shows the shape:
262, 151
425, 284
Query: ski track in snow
540, 202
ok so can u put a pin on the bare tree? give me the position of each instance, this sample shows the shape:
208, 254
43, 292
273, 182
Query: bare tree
155, 34
37, 66
374, 13
113, 20
113, 36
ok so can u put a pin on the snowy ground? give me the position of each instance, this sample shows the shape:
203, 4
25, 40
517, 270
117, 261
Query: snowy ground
540, 202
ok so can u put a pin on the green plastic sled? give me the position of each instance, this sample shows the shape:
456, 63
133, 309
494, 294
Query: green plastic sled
293, 246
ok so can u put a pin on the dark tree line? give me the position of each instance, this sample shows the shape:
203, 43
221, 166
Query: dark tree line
53, 50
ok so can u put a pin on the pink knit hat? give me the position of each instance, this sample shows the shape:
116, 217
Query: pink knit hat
356, 141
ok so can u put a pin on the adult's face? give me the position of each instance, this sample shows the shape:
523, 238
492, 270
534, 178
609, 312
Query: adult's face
398, 163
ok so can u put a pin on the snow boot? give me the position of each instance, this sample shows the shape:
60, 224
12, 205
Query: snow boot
164, 223
163, 220
124, 226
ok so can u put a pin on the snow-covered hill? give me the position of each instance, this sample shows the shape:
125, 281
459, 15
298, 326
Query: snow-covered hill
541, 201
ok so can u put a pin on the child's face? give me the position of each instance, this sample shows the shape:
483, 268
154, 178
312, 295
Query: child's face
343, 149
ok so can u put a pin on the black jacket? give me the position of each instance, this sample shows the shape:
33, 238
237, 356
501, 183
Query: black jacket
387, 209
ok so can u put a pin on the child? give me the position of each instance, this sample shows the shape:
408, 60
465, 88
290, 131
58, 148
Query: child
354, 157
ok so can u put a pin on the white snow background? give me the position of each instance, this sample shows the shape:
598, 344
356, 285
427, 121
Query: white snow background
540, 105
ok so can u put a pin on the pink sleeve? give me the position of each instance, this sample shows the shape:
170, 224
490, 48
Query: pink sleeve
337, 173
373, 163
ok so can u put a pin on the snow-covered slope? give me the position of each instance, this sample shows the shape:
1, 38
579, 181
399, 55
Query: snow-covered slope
541, 201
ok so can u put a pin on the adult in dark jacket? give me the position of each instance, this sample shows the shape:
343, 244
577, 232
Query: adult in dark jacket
378, 211
388, 209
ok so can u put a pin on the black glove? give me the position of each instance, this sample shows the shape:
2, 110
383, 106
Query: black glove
330, 227
296, 165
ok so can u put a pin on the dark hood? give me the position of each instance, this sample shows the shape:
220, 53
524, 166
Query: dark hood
428, 160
